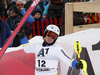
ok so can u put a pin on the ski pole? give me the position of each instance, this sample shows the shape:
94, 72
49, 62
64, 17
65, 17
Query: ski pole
33, 5
78, 50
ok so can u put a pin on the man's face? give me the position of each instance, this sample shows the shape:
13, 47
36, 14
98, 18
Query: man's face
12, 14
50, 37
37, 15
19, 5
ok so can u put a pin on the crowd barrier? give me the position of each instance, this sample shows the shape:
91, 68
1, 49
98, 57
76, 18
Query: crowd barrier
90, 7
36, 30
93, 18
69, 28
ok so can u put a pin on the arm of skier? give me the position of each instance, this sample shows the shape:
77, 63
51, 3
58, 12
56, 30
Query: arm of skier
30, 19
29, 48
71, 62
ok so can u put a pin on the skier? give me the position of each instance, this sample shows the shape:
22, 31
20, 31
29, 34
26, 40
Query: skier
48, 53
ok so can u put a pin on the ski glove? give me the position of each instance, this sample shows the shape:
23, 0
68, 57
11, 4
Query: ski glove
21, 34
79, 65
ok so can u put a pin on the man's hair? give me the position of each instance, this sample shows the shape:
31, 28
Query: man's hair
38, 10
13, 8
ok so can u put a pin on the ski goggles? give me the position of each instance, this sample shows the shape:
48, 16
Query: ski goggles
19, 4
52, 34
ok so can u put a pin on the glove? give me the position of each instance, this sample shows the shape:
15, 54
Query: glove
79, 65
21, 34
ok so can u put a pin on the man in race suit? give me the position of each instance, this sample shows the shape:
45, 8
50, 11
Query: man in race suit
48, 53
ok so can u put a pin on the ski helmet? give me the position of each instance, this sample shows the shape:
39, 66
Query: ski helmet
53, 28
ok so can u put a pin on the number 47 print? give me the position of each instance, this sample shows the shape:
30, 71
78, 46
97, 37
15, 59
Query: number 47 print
33, 5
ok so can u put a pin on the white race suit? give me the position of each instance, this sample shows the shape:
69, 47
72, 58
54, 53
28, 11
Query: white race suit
47, 58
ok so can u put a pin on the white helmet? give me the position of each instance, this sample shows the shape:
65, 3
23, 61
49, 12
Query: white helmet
53, 28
